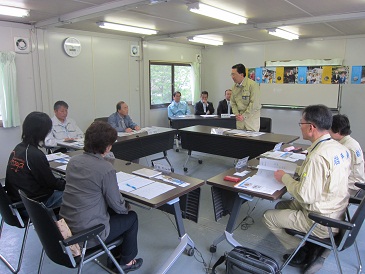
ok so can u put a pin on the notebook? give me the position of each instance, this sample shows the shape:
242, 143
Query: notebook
145, 172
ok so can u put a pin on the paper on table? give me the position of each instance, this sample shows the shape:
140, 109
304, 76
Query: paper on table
54, 156
172, 180
63, 167
153, 190
273, 165
146, 172
134, 183
286, 156
122, 176
209, 115
241, 174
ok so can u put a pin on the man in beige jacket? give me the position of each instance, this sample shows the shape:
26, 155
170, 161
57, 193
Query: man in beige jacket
322, 188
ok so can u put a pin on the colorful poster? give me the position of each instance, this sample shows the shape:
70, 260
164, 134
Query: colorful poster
314, 75
340, 75
290, 75
258, 74
269, 75
302, 75
251, 73
326, 75
358, 75
279, 75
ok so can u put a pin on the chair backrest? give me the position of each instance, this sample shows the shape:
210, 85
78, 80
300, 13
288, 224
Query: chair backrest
265, 124
10, 215
357, 219
103, 119
43, 220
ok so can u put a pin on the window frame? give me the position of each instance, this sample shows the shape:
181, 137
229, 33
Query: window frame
163, 63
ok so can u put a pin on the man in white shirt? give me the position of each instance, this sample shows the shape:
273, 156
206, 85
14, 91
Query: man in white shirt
63, 128
224, 106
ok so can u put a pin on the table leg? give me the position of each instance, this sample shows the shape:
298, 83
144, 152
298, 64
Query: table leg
185, 240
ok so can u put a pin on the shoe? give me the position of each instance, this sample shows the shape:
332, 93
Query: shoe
315, 266
137, 263
299, 259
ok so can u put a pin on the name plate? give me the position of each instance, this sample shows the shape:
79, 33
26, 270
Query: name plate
225, 115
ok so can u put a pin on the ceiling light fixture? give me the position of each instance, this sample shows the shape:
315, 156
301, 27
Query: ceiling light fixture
12, 11
114, 26
283, 34
205, 41
216, 13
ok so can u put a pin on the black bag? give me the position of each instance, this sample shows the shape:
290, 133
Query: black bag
242, 260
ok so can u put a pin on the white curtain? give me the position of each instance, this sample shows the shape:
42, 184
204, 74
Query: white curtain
9, 107
196, 81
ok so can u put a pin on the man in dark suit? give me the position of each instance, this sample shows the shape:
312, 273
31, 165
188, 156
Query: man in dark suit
335, 78
223, 105
203, 107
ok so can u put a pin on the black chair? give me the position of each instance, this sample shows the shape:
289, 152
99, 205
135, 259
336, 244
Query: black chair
265, 124
10, 215
57, 248
344, 239
103, 119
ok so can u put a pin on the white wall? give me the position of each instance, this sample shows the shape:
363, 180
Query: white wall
217, 63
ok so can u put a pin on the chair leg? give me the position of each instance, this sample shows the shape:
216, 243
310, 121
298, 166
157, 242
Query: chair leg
110, 255
358, 257
12, 269
335, 252
81, 263
41, 261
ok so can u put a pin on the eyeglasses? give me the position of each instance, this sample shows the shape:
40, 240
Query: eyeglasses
300, 124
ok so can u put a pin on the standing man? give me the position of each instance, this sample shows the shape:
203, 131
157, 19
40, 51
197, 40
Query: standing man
245, 100
177, 107
63, 128
224, 106
120, 119
203, 107
322, 188
341, 131
335, 78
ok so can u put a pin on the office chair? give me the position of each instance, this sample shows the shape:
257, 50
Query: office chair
103, 119
11, 216
344, 239
57, 248
265, 124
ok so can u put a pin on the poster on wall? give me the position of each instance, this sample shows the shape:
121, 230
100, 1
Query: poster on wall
269, 75
340, 75
326, 75
251, 73
258, 74
290, 75
358, 75
279, 75
314, 75
302, 75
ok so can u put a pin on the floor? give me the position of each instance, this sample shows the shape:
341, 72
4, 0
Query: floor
157, 235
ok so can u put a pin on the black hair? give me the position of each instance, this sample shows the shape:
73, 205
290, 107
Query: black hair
36, 127
59, 104
318, 115
241, 69
119, 105
175, 92
99, 136
204, 92
225, 92
341, 125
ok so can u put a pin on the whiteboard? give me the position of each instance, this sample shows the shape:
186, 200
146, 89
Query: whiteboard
297, 95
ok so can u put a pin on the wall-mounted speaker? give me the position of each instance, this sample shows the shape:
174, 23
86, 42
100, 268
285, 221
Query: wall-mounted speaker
135, 52
21, 45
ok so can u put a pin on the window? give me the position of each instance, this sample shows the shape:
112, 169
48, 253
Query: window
165, 79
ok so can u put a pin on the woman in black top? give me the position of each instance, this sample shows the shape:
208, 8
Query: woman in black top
28, 168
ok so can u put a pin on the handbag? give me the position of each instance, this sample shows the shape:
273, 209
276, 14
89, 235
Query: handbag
66, 233
242, 260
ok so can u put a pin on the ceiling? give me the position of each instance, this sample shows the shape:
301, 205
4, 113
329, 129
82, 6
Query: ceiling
308, 18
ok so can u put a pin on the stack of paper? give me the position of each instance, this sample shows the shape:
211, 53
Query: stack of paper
264, 180
146, 172
55, 156
286, 156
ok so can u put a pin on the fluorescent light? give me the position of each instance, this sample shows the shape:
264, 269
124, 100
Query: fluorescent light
114, 26
283, 34
206, 41
12, 11
216, 13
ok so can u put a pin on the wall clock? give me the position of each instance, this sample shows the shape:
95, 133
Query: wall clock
72, 46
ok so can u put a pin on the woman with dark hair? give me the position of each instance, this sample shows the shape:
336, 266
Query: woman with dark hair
28, 168
92, 197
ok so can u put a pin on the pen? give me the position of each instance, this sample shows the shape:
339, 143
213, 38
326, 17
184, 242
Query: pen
132, 186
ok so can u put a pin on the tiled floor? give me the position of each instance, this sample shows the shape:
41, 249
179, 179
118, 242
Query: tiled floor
157, 236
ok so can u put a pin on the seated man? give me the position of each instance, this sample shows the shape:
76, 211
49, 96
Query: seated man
203, 107
322, 188
28, 168
177, 107
63, 128
224, 106
120, 119
341, 131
